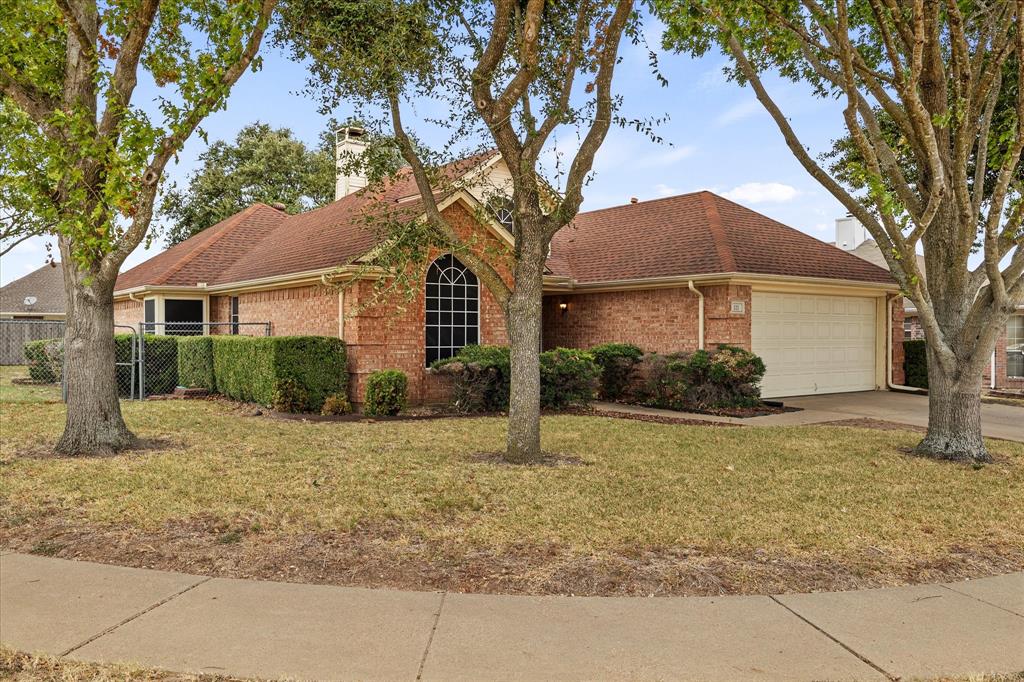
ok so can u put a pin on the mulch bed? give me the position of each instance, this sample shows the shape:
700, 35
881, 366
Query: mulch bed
387, 555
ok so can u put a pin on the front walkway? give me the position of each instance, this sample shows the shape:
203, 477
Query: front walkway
190, 623
997, 421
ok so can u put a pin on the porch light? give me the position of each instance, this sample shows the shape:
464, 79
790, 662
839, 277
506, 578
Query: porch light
564, 307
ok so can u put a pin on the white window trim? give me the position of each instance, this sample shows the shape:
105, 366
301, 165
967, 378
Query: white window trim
158, 315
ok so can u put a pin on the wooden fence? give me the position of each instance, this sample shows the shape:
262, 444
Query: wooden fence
14, 334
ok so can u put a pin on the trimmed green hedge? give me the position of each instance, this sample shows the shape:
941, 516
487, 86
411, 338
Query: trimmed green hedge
195, 362
46, 356
252, 368
161, 362
915, 363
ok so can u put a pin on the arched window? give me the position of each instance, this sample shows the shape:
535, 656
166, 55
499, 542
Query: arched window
503, 211
453, 308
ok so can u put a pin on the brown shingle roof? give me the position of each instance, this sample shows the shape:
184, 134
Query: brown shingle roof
264, 242
46, 285
695, 234
691, 234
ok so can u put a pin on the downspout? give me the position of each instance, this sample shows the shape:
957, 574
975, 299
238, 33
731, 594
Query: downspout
888, 356
700, 315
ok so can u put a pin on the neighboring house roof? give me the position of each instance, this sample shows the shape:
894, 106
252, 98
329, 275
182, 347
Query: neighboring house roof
695, 234
45, 285
692, 234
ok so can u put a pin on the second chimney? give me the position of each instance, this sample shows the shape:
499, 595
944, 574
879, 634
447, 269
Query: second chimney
850, 233
349, 144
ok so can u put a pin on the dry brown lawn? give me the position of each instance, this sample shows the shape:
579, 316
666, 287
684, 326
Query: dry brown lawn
631, 508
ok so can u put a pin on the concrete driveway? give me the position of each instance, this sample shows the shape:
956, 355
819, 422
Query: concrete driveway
997, 421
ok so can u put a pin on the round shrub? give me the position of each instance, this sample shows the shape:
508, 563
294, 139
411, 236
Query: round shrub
568, 376
663, 384
726, 377
45, 360
481, 378
336, 404
386, 392
618, 363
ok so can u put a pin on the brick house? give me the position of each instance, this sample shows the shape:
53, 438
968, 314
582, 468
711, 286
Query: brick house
1005, 371
668, 275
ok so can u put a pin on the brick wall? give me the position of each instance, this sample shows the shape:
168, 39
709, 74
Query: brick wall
128, 312
298, 310
897, 341
656, 320
1002, 379
391, 334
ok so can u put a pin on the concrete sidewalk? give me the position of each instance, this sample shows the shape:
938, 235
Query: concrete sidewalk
997, 421
190, 623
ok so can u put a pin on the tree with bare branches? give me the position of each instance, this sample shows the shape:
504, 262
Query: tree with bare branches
513, 73
84, 159
934, 113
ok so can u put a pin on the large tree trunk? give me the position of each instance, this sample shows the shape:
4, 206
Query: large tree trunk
954, 418
954, 392
94, 423
523, 321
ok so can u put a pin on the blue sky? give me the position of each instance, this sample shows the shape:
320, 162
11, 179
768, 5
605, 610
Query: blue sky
717, 137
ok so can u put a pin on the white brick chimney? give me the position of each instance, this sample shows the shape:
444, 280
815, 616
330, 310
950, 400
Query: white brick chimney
850, 233
349, 143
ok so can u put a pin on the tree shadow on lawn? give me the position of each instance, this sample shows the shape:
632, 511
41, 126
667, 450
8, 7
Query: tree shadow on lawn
140, 446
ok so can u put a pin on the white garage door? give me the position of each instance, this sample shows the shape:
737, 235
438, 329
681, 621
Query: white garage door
814, 344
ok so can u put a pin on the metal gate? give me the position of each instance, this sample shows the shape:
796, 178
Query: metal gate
127, 363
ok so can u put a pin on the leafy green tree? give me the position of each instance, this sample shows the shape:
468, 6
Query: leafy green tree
510, 72
263, 164
934, 113
86, 160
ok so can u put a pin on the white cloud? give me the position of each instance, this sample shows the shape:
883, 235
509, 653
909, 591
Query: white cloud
738, 112
762, 193
713, 77
667, 158
663, 190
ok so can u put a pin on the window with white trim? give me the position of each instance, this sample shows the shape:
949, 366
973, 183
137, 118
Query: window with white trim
1015, 346
453, 308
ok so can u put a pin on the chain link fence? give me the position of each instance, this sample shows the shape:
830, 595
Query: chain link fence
14, 334
158, 351
145, 357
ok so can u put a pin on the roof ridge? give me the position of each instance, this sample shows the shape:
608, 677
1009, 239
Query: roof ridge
648, 201
233, 222
718, 235
799, 232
